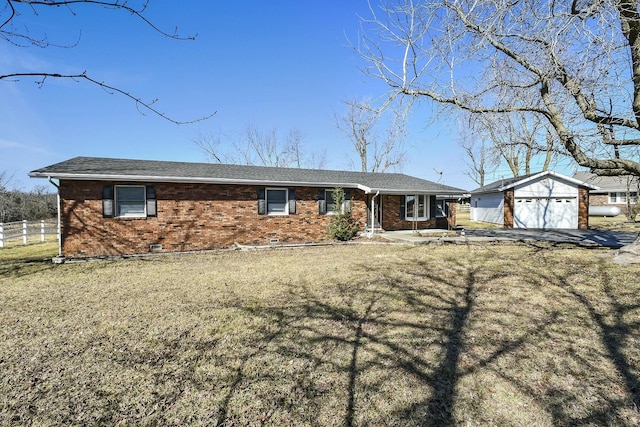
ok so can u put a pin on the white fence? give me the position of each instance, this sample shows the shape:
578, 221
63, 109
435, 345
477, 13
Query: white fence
27, 231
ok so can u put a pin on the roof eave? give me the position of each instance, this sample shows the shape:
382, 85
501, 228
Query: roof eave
544, 173
191, 180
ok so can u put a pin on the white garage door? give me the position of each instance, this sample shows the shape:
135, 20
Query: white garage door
546, 213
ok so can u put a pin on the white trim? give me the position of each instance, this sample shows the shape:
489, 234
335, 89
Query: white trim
286, 201
116, 203
545, 173
633, 197
262, 183
334, 212
199, 180
427, 207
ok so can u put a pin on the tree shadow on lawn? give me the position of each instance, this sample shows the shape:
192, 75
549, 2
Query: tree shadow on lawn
420, 341
25, 267
410, 348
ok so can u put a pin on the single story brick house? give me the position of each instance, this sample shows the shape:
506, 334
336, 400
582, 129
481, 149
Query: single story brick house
612, 190
118, 206
544, 200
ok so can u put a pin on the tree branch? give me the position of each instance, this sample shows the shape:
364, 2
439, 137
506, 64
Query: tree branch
110, 89
116, 4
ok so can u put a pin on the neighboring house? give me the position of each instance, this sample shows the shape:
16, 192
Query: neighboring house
612, 191
545, 200
117, 206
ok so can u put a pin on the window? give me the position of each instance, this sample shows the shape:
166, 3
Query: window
441, 208
277, 201
332, 208
128, 201
417, 207
621, 197
327, 203
331, 202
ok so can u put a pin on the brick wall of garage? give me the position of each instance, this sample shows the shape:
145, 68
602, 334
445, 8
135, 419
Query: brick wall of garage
583, 208
509, 206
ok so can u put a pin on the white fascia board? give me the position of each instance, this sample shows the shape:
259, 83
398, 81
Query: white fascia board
193, 180
405, 192
544, 173
523, 181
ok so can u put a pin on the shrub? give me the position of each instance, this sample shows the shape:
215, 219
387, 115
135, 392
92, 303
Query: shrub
342, 226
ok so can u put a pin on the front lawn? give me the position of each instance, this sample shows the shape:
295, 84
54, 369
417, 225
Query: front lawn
338, 335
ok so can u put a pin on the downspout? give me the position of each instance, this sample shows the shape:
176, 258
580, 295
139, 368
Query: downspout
373, 214
58, 209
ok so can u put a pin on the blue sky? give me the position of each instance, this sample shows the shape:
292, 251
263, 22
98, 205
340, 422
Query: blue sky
274, 65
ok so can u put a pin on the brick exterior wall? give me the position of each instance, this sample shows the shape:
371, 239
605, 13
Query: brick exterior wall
509, 206
583, 208
603, 200
391, 220
192, 217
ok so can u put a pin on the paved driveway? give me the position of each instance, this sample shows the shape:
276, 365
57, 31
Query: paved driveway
611, 239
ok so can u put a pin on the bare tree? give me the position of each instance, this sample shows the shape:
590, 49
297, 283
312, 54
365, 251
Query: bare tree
17, 33
574, 63
518, 139
379, 148
5, 180
17, 205
479, 157
633, 197
263, 148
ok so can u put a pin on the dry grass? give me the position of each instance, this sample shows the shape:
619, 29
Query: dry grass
619, 223
340, 335
463, 221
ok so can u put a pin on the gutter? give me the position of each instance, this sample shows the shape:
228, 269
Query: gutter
59, 216
197, 180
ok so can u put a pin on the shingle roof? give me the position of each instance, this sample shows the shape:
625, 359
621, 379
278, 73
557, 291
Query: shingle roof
498, 185
606, 183
507, 183
95, 168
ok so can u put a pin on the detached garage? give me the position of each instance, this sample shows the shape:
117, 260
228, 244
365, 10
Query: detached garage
545, 200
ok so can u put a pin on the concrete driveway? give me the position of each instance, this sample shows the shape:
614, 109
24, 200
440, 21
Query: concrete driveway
610, 239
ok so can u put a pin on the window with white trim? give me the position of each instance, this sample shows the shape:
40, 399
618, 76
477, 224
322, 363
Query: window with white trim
332, 207
129, 201
277, 201
620, 197
416, 207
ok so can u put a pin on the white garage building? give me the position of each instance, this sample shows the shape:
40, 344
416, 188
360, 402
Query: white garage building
545, 200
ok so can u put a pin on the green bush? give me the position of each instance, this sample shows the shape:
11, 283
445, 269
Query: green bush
342, 226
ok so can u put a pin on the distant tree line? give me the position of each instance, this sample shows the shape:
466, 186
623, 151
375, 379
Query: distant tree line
16, 205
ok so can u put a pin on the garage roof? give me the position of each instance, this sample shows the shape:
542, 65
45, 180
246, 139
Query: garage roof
505, 184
